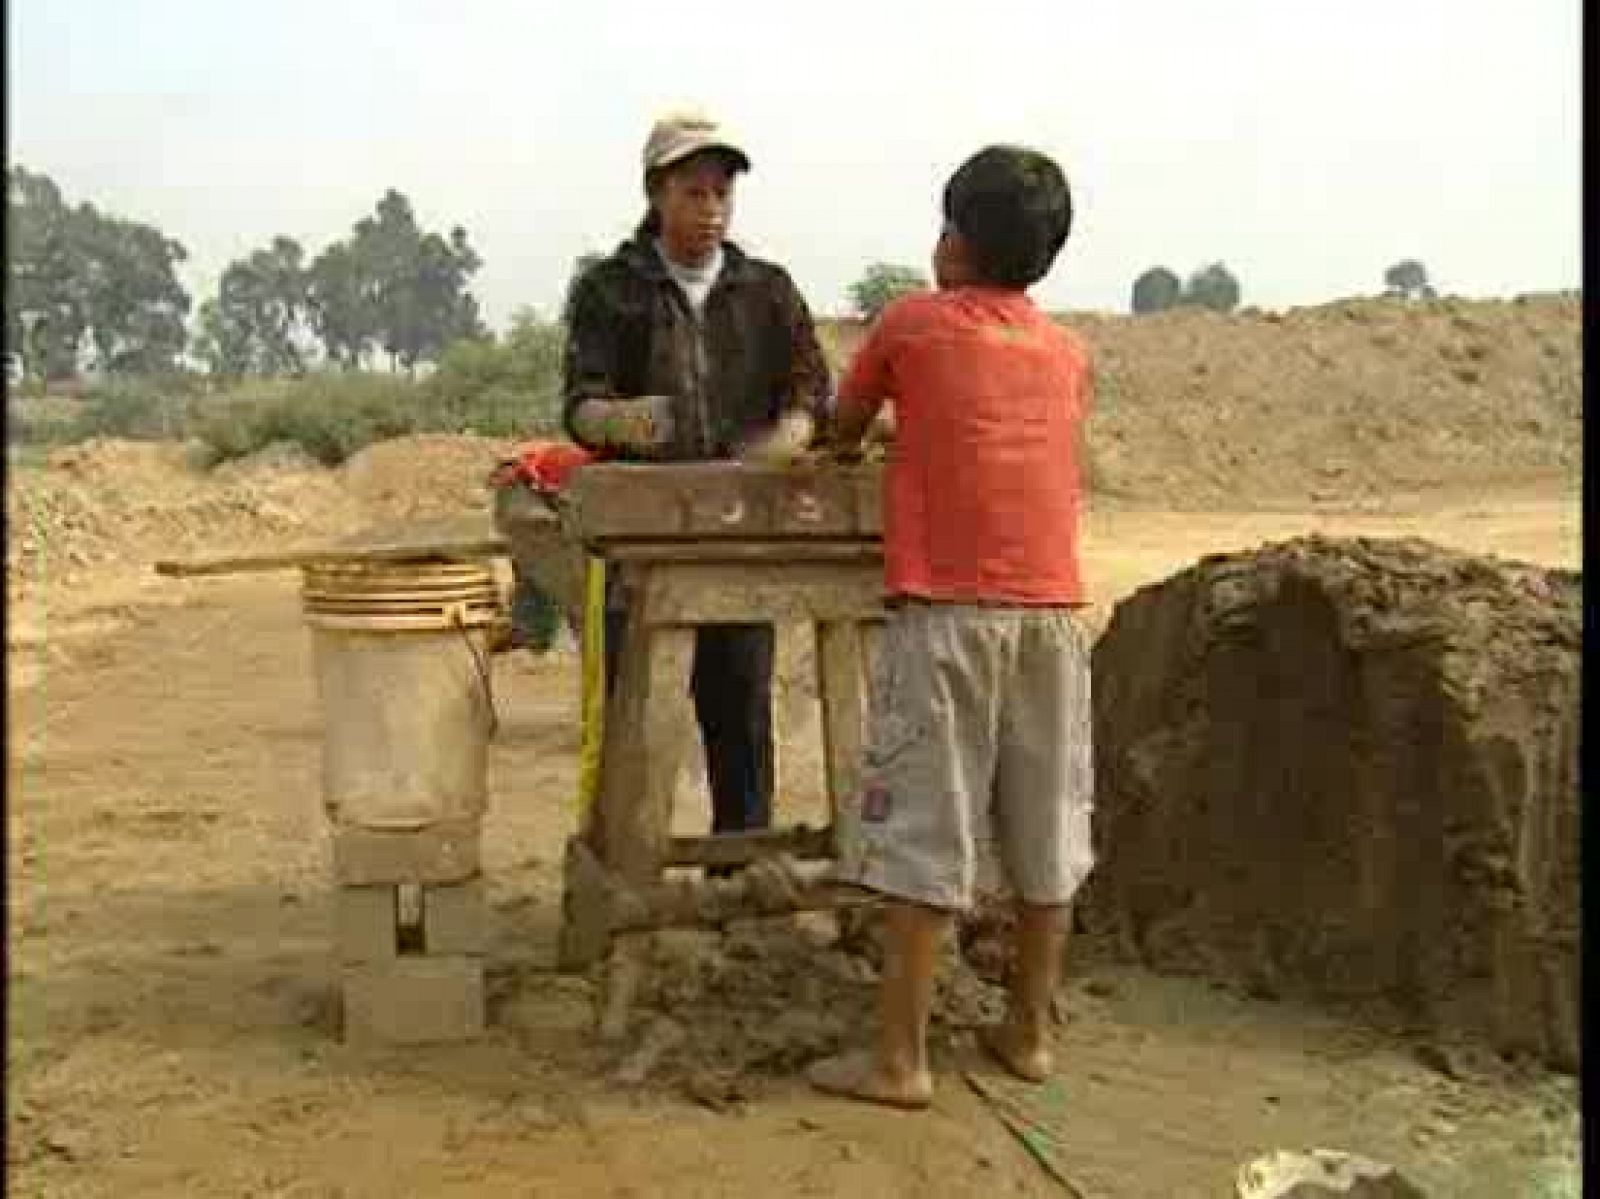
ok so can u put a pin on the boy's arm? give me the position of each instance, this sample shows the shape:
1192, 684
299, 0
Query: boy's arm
864, 389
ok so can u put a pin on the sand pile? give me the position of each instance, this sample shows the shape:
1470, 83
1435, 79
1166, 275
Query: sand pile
426, 475
106, 503
1348, 768
1339, 402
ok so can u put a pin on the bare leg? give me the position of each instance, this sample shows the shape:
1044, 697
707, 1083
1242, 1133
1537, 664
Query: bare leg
896, 1071
1022, 1043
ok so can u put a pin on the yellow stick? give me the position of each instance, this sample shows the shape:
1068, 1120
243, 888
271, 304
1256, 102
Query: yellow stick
594, 684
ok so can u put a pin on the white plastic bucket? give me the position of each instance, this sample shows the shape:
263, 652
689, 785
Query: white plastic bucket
402, 665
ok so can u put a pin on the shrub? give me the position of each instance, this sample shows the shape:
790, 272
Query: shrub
41, 421
329, 416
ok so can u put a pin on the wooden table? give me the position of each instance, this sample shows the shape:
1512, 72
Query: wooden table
712, 544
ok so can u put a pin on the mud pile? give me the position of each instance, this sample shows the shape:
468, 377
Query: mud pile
722, 1015
1348, 769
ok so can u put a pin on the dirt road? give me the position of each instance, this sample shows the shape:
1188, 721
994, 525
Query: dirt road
172, 1025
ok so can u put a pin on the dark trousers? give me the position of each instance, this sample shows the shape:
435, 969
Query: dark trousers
732, 688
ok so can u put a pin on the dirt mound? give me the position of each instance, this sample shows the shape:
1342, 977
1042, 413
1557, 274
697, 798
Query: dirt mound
1350, 400
109, 505
1340, 402
1347, 768
426, 475
106, 504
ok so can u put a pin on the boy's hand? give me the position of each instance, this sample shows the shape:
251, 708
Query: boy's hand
643, 425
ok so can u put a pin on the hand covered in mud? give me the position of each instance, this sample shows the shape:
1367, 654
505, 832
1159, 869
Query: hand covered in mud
783, 444
503, 475
642, 426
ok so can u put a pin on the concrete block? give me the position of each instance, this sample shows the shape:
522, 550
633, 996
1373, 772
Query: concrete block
365, 923
455, 918
447, 852
413, 1000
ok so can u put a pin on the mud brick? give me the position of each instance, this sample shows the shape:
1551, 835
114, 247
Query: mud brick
413, 1000
455, 919
366, 921
447, 852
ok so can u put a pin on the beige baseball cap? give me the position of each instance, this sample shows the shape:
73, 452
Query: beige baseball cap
676, 135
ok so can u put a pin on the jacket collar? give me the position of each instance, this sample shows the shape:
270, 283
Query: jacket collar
639, 253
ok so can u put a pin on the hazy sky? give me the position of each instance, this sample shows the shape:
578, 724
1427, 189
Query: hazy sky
1306, 145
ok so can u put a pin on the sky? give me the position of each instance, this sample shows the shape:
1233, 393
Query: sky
1307, 146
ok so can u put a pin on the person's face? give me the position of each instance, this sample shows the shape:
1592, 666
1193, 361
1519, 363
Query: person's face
950, 267
695, 202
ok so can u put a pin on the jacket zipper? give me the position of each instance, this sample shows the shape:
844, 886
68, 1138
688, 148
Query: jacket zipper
701, 369
699, 410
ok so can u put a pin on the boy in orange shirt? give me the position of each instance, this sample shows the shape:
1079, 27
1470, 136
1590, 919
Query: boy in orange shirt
980, 711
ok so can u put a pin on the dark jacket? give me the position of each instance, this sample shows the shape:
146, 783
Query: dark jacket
753, 355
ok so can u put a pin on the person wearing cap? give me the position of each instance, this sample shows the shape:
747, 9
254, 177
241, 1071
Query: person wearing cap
683, 348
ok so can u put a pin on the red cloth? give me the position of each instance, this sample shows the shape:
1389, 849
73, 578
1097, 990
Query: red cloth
982, 493
547, 465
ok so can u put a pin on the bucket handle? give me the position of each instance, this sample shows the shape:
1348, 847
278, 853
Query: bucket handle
458, 614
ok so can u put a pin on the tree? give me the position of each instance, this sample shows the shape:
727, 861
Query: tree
1156, 290
137, 310
46, 314
77, 273
221, 343
1408, 280
343, 305
392, 286
881, 284
1213, 287
416, 282
261, 316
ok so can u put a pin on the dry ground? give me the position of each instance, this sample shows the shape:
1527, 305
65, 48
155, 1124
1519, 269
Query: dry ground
168, 924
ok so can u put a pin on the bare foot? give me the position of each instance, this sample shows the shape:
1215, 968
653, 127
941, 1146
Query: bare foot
1029, 1058
859, 1076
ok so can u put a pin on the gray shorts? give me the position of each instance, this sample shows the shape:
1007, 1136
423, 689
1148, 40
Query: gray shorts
980, 732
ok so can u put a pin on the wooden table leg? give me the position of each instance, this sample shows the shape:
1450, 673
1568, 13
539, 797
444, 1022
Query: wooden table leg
631, 834
842, 690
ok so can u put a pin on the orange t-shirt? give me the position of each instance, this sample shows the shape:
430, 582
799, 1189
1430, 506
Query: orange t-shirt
982, 490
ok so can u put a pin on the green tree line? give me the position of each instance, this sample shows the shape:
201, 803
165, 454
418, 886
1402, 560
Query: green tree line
81, 281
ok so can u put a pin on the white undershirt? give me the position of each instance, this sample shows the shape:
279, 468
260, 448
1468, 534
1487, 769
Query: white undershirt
695, 281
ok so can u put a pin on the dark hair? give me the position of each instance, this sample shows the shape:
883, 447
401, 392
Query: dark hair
1013, 209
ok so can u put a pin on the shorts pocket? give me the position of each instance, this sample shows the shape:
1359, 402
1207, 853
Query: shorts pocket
895, 722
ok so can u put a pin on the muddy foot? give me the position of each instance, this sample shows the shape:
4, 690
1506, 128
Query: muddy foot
858, 1076
1029, 1060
